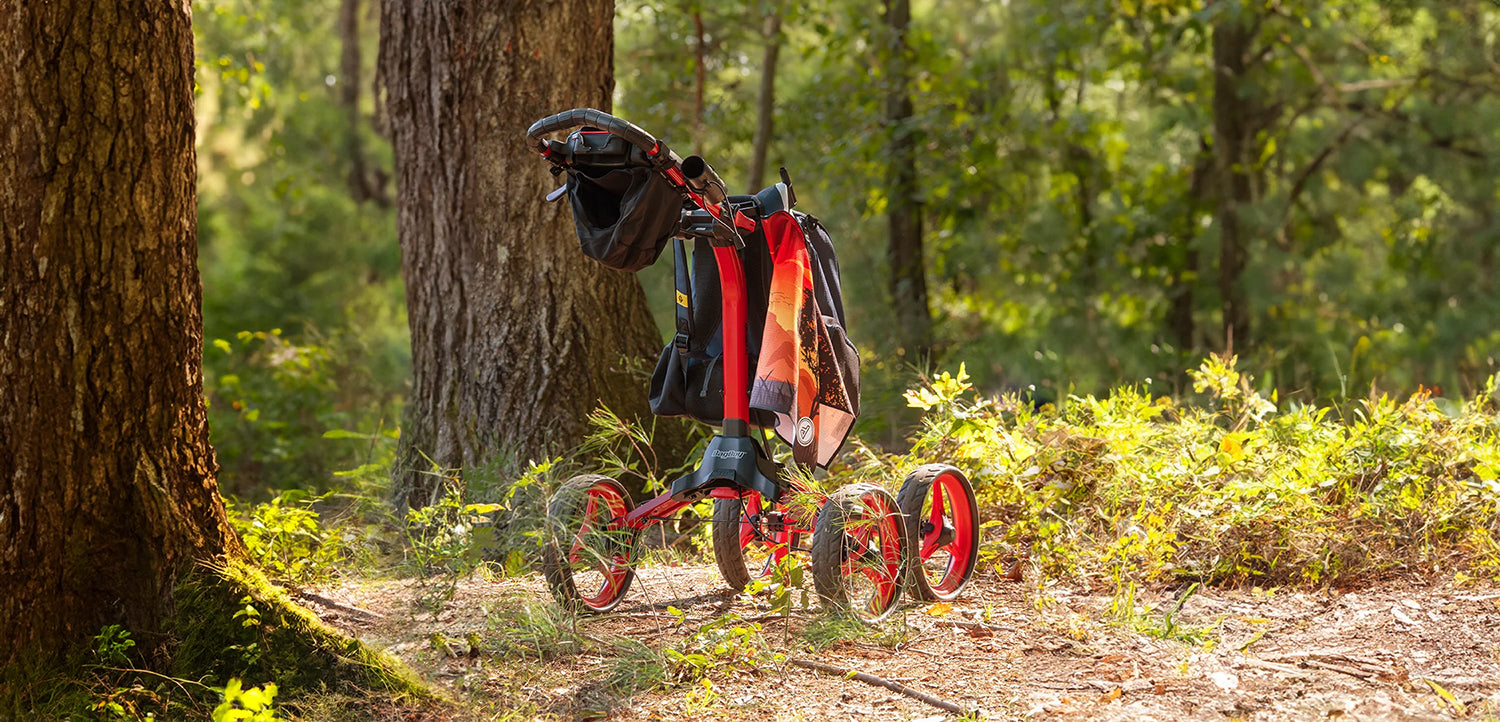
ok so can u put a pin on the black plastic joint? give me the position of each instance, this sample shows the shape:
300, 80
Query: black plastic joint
680, 342
663, 158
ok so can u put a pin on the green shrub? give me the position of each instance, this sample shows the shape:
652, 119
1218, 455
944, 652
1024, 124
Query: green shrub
1135, 488
285, 536
272, 400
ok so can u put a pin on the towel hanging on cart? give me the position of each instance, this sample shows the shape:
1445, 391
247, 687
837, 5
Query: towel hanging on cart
808, 370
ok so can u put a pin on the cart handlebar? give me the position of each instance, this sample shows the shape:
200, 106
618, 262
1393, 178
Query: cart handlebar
597, 118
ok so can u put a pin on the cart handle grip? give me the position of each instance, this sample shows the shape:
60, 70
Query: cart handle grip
597, 118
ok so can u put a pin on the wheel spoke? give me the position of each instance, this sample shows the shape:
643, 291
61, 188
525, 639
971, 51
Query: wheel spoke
884, 584
930, 545
936, 518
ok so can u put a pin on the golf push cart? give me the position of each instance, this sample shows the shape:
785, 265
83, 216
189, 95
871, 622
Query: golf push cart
759, 293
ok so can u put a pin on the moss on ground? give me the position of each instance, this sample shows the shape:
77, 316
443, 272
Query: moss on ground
233, 622
230, 622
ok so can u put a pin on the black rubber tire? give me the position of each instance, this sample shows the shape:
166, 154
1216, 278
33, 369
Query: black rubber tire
911, 498
828, 549
728, 553
561, 517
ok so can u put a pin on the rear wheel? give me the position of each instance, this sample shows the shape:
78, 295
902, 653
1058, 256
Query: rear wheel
589, 551
942, 531
746, 548
856, 552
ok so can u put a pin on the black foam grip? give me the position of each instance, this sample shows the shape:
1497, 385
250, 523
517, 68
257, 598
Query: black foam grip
588, 116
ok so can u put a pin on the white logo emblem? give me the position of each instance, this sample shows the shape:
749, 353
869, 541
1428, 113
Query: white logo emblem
805, 431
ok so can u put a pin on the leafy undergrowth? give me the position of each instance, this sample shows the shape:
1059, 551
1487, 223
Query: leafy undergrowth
1125, 496
1134, 488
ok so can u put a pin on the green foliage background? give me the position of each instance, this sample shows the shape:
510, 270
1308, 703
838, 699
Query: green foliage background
1065, 169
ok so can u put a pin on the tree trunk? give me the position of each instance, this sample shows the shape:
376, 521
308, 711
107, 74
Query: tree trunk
515, 334
107, 489
908, 281
1235, 115
766, 106
363, 185
1180, 291
700, 71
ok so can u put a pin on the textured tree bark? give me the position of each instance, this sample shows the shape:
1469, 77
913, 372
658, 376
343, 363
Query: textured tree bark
908, 281
516, 335
107, 489
766, 105
1235, 124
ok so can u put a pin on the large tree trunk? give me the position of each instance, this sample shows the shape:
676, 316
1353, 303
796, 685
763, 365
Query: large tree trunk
908, 280
1236, 117
515, 335
766, 105
107, 489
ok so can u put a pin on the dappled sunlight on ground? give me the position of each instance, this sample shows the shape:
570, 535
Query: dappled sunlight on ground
1011, 649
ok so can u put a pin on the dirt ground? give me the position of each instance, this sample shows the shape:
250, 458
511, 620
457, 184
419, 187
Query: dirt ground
1006, 649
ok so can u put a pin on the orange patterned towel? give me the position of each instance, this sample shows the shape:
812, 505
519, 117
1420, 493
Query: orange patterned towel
804, 373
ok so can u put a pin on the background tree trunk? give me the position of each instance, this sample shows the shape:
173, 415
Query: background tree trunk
766, 106
365, 184
908, 282
700, 71
515, 335
107, 488
1236, 118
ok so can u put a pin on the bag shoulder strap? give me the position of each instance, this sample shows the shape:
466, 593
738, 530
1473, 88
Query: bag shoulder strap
683, 304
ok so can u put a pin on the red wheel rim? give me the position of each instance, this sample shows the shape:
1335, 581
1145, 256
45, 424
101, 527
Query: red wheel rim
590, 551
873, 535
949, 506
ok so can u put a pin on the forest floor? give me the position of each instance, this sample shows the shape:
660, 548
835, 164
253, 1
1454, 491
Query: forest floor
1398, 649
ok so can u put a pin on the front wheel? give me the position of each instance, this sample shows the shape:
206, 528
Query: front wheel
588, 553
745, 549
856, 552
942, 531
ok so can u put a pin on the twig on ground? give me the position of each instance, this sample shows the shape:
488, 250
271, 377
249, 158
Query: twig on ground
1360, 668
1287, 669
1359, 673
975, 625
1102, 685
872, 680
1476, 597
333, 604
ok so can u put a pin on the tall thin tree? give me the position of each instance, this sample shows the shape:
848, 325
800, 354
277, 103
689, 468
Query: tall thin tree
107, 490
766, 105
1237, 121
904, 253
516, 336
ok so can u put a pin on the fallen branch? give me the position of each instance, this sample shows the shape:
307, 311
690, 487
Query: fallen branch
872, 680
974, 625
1287, 669
340, 606
1357, 673
1129, 685
1358, 668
